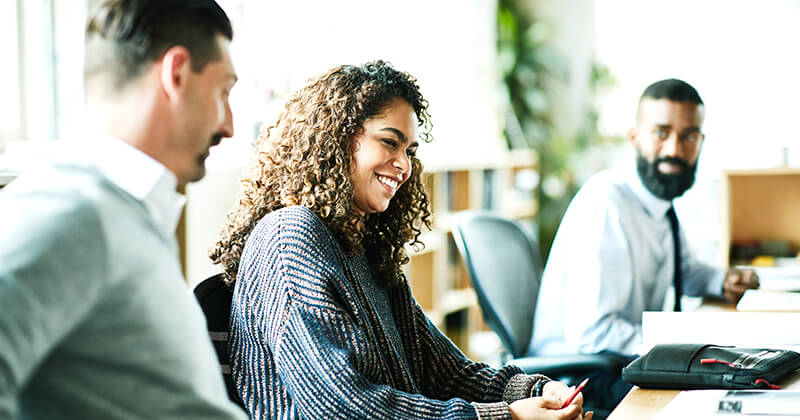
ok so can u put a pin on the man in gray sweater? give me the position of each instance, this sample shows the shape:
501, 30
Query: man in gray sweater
96, 321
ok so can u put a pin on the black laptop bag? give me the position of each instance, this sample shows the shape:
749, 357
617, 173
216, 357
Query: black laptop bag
706, 366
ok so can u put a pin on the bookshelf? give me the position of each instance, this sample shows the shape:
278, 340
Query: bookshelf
759, 205
439, 280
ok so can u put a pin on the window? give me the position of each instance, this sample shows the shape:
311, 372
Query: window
9, 74
41, 80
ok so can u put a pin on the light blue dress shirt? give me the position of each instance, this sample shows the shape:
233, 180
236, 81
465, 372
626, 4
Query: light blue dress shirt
612, 259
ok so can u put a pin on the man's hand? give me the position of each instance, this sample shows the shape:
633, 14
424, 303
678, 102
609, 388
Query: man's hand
547, 408
736, 282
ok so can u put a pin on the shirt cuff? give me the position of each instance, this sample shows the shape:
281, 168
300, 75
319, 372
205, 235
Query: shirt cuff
497, 410
715, 285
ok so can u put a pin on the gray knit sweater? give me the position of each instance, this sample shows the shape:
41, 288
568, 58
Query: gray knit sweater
96, 321
306, 342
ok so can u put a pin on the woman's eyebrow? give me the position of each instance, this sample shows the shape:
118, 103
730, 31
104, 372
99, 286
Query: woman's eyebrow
397, 132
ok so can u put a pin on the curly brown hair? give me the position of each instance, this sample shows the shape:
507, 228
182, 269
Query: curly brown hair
304, 159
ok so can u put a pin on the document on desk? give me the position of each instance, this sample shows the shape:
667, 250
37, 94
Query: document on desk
779, 284
759, 401
691, 405
706, 404
769, 301
785, 278
751, 329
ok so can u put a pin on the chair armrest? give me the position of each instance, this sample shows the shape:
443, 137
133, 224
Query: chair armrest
571, 366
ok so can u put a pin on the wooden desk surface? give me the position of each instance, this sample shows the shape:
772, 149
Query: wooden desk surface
644, 404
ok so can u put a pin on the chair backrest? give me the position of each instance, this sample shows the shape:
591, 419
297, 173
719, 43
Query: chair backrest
505, 268
215, 299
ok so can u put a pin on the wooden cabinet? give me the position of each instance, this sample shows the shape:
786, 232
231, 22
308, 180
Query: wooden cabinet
760, 205
439, 279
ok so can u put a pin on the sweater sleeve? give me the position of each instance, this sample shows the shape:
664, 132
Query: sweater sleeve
52, 266
320, 354
453, 374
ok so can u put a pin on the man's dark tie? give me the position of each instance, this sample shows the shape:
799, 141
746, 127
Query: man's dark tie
676, 240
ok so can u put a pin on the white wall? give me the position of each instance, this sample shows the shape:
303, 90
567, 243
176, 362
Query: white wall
449, 45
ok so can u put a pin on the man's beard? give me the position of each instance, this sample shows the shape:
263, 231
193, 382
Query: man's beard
665, 186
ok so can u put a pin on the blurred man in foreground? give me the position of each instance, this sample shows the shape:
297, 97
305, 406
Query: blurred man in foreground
96, 320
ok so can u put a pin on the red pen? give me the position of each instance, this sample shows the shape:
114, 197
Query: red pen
575, 394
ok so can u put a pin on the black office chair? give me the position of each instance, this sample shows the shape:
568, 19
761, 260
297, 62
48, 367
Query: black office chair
215, 299
505, 269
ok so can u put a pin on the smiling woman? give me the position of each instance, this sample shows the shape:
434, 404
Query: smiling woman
381, 161
323, 323
309, 158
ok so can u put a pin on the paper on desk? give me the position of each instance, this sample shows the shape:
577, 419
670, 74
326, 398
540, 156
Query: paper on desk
792, 271
780, 284
701, 405
785, 277
761, 401
753, 329
769, 301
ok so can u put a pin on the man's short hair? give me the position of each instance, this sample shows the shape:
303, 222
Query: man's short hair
673, 90
123, 37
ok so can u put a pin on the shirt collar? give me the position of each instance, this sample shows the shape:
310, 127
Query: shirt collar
141, 176
655, 206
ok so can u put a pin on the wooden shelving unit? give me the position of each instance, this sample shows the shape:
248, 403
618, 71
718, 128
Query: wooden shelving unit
757, 205
438, 277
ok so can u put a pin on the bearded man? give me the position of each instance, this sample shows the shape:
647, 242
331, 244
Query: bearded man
619, 250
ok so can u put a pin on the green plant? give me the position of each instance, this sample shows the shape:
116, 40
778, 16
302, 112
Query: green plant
525, 60
527, 64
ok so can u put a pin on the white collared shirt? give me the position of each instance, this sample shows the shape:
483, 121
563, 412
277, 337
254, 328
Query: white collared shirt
142, 177
611, 260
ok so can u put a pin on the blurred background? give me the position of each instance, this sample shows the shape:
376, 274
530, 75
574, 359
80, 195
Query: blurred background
529, 98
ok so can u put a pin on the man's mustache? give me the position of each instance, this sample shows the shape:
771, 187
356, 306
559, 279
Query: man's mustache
673, 160
215, 139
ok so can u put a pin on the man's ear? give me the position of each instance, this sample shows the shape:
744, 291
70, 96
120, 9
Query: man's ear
631, 136
175, 67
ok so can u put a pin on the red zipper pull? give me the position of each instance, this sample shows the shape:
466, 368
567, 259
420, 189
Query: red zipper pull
709, 361
760, 381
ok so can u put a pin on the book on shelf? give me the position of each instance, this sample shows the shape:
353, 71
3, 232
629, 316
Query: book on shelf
489, 189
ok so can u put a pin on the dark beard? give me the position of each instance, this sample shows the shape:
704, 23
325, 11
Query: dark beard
665, 186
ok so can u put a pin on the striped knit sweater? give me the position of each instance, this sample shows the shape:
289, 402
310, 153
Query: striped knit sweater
306, 342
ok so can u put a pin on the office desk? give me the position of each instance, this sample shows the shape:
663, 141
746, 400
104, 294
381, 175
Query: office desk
644, 404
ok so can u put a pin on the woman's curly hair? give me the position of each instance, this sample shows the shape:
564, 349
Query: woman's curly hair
304, 159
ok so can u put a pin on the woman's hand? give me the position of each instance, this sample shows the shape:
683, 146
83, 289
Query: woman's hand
558, 391
548, 408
